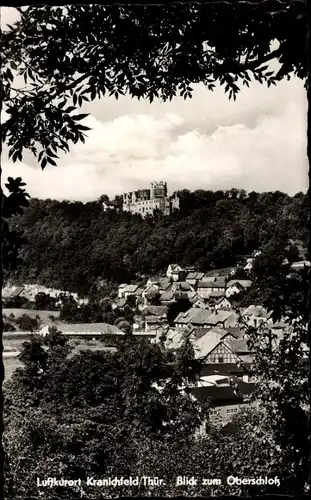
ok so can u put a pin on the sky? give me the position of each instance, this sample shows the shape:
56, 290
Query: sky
256, 143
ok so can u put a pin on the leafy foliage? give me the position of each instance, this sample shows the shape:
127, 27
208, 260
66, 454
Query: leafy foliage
147, 52
91, 413
80, 248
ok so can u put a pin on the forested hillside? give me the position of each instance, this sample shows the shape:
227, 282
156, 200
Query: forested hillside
71, 245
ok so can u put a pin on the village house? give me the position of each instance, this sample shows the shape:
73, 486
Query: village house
255, 316
249, 264
237, 286
194, 278
153, 322
227, 399
211, 348
174, 271
205, 288
125, 291
87, 330
167, 297
222, 303
182, 286
225, 273
119, 304
162, 283
194, 317
198, 302
222, 318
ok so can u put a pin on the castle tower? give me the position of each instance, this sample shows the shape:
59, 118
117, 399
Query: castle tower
158, 190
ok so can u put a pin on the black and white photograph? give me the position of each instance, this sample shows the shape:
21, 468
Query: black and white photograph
155, 250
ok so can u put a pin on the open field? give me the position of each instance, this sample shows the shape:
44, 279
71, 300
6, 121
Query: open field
12, 346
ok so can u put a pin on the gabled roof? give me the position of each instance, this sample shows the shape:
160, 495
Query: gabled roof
218, 317
218, 394
195, 276
239, 346
174, 267
164, 283
253, 310
193, 316
183, 286
221, 298
204, 345
167, 296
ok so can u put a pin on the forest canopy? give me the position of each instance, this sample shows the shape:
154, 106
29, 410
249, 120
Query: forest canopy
71, 245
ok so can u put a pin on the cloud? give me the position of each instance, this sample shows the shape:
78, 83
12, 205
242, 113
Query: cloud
256, 143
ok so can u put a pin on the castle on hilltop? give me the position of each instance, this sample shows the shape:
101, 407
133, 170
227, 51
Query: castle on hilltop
145, 201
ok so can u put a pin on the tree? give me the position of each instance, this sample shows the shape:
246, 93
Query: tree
181, 305
162, 52
103, 419
131, 301
45, 301
28, 324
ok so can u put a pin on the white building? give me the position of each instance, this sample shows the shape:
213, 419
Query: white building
145, 201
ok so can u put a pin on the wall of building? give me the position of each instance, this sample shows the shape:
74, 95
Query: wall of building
145, 201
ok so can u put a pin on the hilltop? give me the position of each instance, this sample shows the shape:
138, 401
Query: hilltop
73, 245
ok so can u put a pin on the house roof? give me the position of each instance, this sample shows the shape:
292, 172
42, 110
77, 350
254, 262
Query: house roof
164, 284
131, 288
253, 310
157, 310
232, 319
218, 394
152, 319
219, 331
151, 291
82, 328
174, 338
242, 283
9, 292
174, 267
206, 344
211, 284
183, 286
222, 297
196, 331
224, 369
193, 316
239, 346
218, 317
167, 296
121, 302
219, 272
195, 276
235, 331
220, 294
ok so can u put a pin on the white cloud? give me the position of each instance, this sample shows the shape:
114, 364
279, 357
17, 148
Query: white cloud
257, 142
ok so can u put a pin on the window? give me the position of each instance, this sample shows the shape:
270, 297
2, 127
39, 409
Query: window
220, 359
